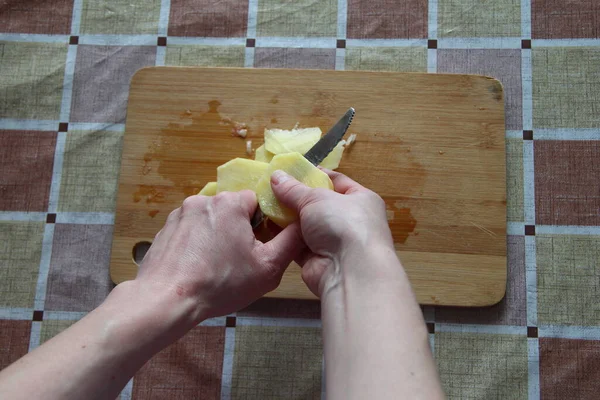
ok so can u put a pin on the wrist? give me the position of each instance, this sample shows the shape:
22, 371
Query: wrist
149, 316
358, 268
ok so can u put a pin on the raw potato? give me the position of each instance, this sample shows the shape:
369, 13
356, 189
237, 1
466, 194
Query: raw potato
332, 161
283, 149
279, 141
300, 168
262, 154
210, 189
239, 174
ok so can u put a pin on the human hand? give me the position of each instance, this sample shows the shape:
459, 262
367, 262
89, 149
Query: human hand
208, 255
350, 220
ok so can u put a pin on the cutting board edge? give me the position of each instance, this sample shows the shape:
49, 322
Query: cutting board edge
139, 74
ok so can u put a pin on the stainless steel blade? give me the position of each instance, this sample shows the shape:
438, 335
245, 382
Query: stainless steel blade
324, 146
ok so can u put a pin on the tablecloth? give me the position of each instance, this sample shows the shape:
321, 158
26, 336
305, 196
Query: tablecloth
65, 67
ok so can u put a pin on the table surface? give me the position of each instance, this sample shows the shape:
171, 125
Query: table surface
66, 67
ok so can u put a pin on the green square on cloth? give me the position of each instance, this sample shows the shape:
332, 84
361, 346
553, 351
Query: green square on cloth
482, 365
402, 59
115, 17
277, 362
568, 271
20, 253
31, 81
90, 171
479, 18
53, 327
297, 18
205, 56
566, 87
514, 180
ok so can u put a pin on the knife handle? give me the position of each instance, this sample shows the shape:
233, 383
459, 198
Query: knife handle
257, 218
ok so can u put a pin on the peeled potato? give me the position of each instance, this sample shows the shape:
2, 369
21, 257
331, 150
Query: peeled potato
279, 141
240, 174
300, 168
262, 154
332, 161
210, 189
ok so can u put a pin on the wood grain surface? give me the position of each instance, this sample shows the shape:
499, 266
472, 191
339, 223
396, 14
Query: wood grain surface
431, 145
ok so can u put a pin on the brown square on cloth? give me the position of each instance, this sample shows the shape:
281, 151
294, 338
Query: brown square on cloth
387, 19
26, 161
297, 18
14, 341
190, 368
567, 182
565, 19
50, 17
569, 368
209, 18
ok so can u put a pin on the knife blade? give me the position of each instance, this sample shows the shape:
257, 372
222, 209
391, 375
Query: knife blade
323, 147
318, 152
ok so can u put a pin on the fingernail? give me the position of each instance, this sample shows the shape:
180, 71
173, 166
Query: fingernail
279, 177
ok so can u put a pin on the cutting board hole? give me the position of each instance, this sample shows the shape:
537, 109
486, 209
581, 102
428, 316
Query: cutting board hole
139, 251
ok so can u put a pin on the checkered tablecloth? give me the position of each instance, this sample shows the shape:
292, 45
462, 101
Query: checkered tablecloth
65, 67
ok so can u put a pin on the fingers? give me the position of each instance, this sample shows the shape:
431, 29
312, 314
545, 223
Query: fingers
341, 183
313, 270
170, 226
280, 251
289, 191
303, 256
231, 203
248, 202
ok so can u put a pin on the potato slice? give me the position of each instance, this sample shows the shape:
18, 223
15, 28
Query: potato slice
262, 154
210, 189
239, 174
300, 168
279, 141
332, 161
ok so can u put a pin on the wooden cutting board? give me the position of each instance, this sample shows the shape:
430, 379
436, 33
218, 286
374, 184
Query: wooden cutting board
431, 145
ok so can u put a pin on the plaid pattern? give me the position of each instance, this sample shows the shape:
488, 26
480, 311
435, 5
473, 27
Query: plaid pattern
66, 66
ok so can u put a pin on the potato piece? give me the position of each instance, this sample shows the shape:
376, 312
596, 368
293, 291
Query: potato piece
262, 154
239, 174
332, 161
210, 189
300, 168
279, 141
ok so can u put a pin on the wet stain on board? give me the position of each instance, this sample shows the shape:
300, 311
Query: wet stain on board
149, 194
402, 224
181, 137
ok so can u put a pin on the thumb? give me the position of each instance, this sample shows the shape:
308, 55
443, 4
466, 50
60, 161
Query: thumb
290, 191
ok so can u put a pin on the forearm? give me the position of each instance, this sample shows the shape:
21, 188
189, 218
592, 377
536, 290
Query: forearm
96, 357
376, 342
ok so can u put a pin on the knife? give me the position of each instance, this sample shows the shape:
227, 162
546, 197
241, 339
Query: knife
318, 152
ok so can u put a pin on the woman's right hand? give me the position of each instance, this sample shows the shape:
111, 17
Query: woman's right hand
348, 222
